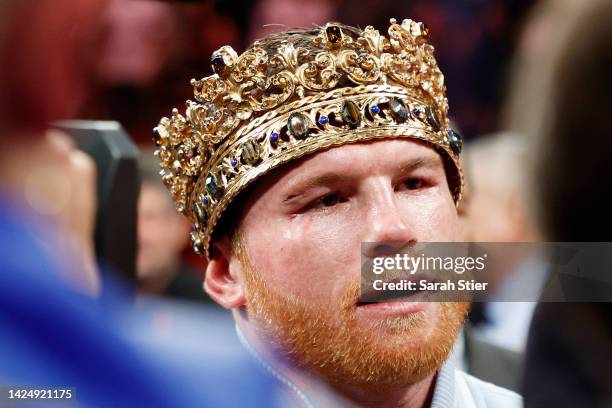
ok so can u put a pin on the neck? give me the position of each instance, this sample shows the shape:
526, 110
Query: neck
312, 387
419, 394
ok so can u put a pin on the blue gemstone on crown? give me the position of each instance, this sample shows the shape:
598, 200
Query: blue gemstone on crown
374, 109
205, 200
274, 137
323, 120
234, 162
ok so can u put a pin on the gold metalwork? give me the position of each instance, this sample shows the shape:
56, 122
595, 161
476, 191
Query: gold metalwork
236, 129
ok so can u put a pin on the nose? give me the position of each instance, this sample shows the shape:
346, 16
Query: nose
387, 231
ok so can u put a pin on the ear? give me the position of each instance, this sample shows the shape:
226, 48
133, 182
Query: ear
222, 281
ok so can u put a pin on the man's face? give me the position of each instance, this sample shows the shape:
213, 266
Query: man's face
162, 234
299, 256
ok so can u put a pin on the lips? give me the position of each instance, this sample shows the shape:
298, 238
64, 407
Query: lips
375, 305
389, 309
373, 297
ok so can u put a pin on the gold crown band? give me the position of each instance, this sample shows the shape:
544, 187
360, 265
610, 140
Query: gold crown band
253, 151
229, 137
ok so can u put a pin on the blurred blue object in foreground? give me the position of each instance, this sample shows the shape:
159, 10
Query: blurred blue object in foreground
163, 355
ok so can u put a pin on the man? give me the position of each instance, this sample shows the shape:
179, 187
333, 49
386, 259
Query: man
498, 213
563, 72
162, 237
349, 128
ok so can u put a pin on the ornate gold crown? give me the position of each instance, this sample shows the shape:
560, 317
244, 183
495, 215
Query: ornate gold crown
293, 94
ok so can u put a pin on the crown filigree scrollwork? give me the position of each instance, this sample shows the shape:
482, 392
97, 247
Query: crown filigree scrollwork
288, 96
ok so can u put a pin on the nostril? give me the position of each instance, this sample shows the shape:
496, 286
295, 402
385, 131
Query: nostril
378, 249
382, 249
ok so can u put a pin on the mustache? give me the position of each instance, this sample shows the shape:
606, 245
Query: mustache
350, 295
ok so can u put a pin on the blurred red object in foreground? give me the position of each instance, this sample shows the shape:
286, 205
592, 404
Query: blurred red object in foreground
43, 44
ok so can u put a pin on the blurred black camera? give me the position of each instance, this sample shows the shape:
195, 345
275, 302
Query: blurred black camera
118, 187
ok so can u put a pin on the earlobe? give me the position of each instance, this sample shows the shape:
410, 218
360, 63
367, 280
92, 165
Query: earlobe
222, 283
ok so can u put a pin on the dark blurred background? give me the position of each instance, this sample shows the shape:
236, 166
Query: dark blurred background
147, 51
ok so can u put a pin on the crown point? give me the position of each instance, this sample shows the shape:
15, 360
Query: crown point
392, 21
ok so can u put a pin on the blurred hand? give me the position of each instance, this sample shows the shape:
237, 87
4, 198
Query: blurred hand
77, 215
78, 212
58, 182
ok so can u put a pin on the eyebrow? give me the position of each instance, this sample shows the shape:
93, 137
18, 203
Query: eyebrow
318, 181
412, 164
326, 179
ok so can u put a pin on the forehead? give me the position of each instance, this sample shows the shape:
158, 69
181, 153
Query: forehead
362, 159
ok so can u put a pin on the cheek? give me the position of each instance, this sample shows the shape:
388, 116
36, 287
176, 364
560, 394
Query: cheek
434, 218
303, 256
